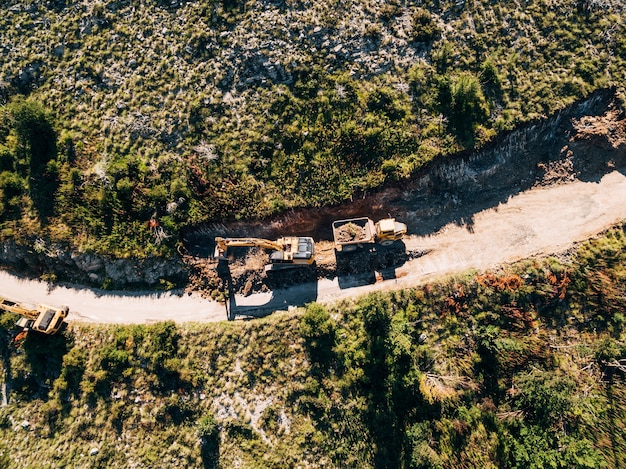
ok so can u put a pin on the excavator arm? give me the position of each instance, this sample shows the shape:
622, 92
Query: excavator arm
294, 250
12, 307
222, 244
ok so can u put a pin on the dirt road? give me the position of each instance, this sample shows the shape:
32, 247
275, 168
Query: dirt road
538, 221
537, 191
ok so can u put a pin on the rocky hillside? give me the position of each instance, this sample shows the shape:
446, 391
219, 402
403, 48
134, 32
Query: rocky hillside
125, 122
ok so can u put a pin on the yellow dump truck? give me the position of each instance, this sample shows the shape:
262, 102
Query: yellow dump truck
353, 233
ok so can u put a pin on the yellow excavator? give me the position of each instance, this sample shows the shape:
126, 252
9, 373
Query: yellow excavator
43, 319
289, 251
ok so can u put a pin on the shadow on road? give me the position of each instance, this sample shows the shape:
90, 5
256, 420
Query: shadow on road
263, 304
367, 265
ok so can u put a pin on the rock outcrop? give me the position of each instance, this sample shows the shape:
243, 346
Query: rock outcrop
62, 263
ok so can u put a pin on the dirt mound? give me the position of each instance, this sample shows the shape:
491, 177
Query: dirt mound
606, 132
350, 232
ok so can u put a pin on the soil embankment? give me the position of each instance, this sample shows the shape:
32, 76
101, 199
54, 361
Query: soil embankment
584, 141
537, 191
581, 143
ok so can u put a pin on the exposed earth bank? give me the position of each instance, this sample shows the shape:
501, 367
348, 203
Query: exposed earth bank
583, 143
539, 190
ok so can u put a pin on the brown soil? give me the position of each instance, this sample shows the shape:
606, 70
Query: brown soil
582, 143
349, 233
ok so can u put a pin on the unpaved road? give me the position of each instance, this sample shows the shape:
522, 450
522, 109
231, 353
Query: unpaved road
538, 221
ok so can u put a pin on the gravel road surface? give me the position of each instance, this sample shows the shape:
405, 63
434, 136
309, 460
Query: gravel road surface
539, 221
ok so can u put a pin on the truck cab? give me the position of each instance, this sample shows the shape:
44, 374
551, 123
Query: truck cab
389, 230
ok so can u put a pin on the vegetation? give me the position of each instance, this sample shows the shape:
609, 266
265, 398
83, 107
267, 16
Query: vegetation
517, 368
120, 125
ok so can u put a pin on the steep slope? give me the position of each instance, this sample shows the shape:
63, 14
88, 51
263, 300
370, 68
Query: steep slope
168, 114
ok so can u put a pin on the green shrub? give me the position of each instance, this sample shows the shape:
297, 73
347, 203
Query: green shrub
163, 339
546, 397
114, 360
489, 76
5, 418
35, 133
462, 100
318, 331
425, 28
208, 428
73, 368
12, 187
7, 159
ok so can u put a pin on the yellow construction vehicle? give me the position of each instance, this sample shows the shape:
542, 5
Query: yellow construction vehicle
355, 233
43, 319
289, 251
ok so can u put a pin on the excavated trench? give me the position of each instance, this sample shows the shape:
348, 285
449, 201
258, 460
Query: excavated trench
584, 142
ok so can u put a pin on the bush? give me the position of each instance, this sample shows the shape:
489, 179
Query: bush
546, 397
387, 102
209, 435
318, 331
208, 428
73, 368
12, 186
114, 360
424, 27
489, 75
463, 101
163, 342
7, 159
35, 133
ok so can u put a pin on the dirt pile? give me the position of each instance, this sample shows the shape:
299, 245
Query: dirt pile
605, 132
350, 232
203, 277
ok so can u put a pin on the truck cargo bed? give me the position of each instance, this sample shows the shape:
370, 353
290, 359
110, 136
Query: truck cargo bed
353, 231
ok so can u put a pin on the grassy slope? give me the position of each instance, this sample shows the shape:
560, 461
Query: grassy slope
503, 369
195, 111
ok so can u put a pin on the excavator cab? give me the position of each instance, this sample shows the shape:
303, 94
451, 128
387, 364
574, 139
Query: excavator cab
48, 320
43, 319
51, 320
297, 250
